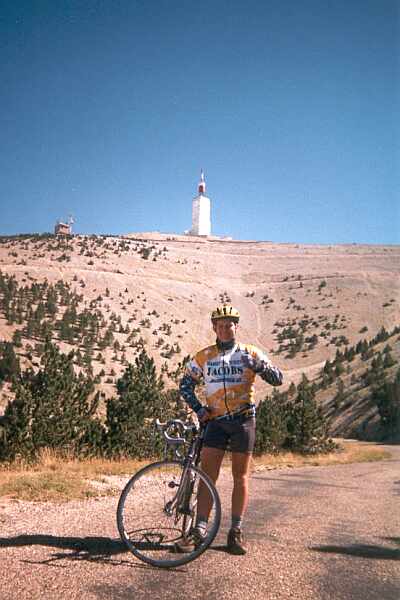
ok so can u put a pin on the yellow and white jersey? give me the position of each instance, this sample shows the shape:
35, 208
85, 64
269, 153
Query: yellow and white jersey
229, 384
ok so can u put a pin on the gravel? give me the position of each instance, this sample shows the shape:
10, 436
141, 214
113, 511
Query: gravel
313, 533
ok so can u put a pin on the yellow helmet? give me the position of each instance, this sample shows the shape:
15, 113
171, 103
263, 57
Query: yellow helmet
225, 312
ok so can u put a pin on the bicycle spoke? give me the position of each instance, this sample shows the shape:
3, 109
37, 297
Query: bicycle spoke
152, 512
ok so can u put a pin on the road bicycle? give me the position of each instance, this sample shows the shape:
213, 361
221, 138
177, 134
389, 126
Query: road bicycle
157, 508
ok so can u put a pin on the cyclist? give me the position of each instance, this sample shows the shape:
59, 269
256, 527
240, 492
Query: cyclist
228, 370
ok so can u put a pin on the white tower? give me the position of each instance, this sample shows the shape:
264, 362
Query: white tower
201, 211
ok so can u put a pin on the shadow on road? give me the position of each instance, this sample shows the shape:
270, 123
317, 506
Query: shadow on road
97, 549
91, 549
364, 550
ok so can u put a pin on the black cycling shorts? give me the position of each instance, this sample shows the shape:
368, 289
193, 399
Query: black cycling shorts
237, 434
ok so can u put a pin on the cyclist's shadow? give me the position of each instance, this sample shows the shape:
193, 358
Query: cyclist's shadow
93, 549
219, 548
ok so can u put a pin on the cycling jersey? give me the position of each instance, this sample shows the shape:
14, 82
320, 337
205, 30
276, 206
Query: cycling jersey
229, 383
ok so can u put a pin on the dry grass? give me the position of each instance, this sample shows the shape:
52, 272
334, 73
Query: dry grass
42, 486
55, 478
349, 452
61, 478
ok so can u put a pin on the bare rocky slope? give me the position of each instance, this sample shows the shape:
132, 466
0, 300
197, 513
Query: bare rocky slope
301, 303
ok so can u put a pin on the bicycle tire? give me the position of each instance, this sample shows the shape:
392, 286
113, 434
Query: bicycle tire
150, 533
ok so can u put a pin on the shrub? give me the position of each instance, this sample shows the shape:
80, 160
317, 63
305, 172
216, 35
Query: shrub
53, 408
387, 398
271, 432
129, 416
307, 429
9, 362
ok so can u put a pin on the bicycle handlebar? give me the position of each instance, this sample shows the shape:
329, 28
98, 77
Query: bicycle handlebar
167, 428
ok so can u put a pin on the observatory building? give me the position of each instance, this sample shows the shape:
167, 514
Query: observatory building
64, 228
201, 211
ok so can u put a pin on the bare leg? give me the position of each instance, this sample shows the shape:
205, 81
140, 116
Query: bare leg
240, 472
211, 460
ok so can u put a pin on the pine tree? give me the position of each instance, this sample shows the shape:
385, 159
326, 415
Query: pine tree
381, 336
40, 313
388, 361
340, 394
16, 439
140, 400
53, 408
362, 347
46, 330
51, 302
339, 369
306, 425
17, 338
67, 325
271, 432
387, 398
107, 340
9, 362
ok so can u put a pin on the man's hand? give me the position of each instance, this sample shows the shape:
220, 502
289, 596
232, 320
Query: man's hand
203, 414
264, 368
249, 362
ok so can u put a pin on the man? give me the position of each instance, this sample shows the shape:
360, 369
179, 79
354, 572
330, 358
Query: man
228, 370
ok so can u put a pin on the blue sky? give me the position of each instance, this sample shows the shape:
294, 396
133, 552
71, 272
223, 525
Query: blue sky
109, 109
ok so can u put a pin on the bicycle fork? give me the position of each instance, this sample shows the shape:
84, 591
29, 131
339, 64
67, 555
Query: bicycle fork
181, 502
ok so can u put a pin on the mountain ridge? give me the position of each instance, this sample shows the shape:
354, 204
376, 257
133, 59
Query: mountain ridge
299, 302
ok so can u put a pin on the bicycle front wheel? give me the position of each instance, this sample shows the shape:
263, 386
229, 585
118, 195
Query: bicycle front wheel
157, 509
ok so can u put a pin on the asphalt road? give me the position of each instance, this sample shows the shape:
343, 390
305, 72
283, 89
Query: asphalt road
313, 533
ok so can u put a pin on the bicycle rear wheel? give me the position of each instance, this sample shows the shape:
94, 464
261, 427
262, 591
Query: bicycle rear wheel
155, 512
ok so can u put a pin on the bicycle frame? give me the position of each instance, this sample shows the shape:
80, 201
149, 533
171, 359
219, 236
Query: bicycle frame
181, 500
153, 527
